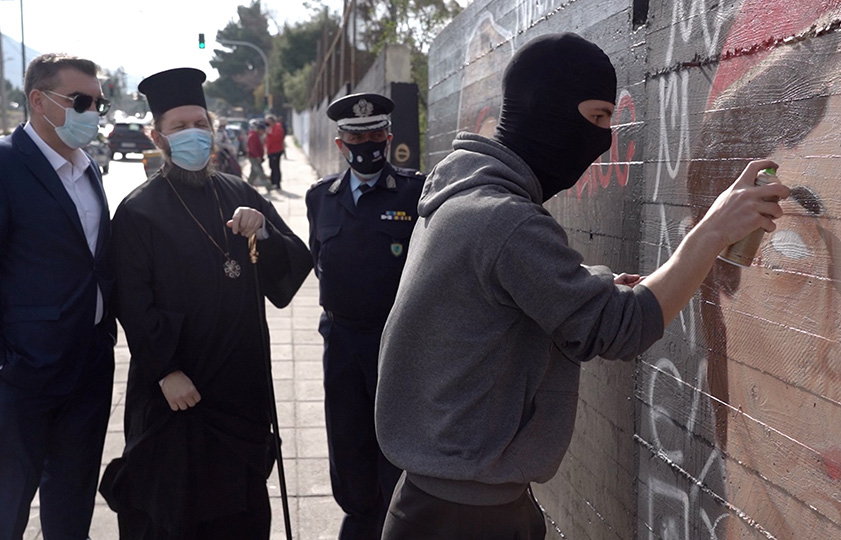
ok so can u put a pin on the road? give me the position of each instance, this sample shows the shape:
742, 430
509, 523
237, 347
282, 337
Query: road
122, 178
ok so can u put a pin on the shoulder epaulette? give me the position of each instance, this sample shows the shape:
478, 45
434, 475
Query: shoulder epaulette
334, 187
326, 180
409, 173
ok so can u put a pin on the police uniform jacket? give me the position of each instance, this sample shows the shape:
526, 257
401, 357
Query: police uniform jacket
359, 249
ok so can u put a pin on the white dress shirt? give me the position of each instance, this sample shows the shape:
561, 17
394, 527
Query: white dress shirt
73, 175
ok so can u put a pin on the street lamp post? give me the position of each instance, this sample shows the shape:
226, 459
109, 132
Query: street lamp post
265, 62
23, 64
4, 104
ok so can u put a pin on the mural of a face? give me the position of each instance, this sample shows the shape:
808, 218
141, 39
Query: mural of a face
774, 330
784, 345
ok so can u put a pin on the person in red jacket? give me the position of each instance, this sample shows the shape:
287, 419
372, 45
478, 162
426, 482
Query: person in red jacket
256, 153
274, 148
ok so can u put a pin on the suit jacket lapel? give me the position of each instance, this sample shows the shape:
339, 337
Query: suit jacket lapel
41, 169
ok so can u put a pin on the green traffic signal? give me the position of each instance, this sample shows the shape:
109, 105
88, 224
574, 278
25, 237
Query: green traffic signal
201, 41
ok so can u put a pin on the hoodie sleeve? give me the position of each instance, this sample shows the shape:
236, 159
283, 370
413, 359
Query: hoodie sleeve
584, 311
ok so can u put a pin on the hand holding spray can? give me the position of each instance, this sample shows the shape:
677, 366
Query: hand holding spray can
742, 252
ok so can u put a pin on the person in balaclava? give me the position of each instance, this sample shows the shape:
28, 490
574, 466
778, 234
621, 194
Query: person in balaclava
541, 118
360, 224
197, 405
495, 312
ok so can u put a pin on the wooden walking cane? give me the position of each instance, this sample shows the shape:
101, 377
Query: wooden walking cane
252, 249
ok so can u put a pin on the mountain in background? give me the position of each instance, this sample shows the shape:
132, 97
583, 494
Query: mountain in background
12, 66
14, 69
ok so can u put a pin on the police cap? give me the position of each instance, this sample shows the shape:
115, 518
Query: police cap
361, 112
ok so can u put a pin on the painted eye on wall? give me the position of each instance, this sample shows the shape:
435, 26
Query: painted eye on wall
790, 244
796, 246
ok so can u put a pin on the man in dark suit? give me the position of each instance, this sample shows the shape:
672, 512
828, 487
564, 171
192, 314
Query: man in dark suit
56, 335
360, 224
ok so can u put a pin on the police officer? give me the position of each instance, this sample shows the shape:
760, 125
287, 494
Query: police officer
360, 224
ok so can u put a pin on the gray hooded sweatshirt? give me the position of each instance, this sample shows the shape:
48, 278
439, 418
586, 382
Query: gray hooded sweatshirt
479, 362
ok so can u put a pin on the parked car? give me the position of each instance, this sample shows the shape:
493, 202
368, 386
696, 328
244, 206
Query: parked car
129, 138
101, 152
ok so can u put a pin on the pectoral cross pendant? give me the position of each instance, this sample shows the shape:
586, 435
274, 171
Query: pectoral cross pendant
232, 268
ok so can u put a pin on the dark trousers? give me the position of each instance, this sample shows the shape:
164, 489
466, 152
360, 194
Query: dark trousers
362, 478
55, 443
417, 515
274, 165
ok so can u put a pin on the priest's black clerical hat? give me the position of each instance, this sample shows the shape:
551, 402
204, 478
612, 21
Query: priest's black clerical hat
361, 112
173, 88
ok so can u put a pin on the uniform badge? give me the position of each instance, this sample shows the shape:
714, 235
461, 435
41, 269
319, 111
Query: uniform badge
395, 215
397, 249
363, 108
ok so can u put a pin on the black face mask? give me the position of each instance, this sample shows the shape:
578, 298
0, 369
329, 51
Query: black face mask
540, 121
368, 157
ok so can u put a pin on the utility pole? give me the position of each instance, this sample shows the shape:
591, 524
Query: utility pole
23, 65
4, 102
3, 121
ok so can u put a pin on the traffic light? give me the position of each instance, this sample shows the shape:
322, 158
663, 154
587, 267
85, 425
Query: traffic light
201, 41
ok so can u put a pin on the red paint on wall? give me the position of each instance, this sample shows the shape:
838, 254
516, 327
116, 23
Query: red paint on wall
763, 22
832, 462
597, 175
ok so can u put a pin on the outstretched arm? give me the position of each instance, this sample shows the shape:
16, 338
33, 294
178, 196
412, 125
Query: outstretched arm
740, 209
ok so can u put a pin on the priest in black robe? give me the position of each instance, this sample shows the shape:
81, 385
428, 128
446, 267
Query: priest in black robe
197, 422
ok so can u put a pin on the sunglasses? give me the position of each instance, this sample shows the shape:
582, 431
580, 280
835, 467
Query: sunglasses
82, 102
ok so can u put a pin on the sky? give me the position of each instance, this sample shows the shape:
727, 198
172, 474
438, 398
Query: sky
142, 36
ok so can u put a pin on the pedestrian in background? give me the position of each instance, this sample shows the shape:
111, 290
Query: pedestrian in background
360, 224
56, 330
274, 148
222, 140
256, 152
197, 419
481, 353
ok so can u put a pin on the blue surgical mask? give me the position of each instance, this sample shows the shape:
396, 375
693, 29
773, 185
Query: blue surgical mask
79, 128
190, 148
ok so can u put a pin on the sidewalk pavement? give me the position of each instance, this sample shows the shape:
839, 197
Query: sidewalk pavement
296, 369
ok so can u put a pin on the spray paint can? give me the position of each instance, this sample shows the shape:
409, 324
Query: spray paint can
742, 252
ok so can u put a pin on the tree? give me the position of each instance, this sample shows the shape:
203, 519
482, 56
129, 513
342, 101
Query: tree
298, 48
411, 22
241, 69
296, 86
294, 56
14, 95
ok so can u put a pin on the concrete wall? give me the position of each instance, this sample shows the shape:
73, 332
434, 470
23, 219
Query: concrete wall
729, 427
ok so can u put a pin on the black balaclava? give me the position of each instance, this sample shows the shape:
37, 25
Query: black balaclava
540, 122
